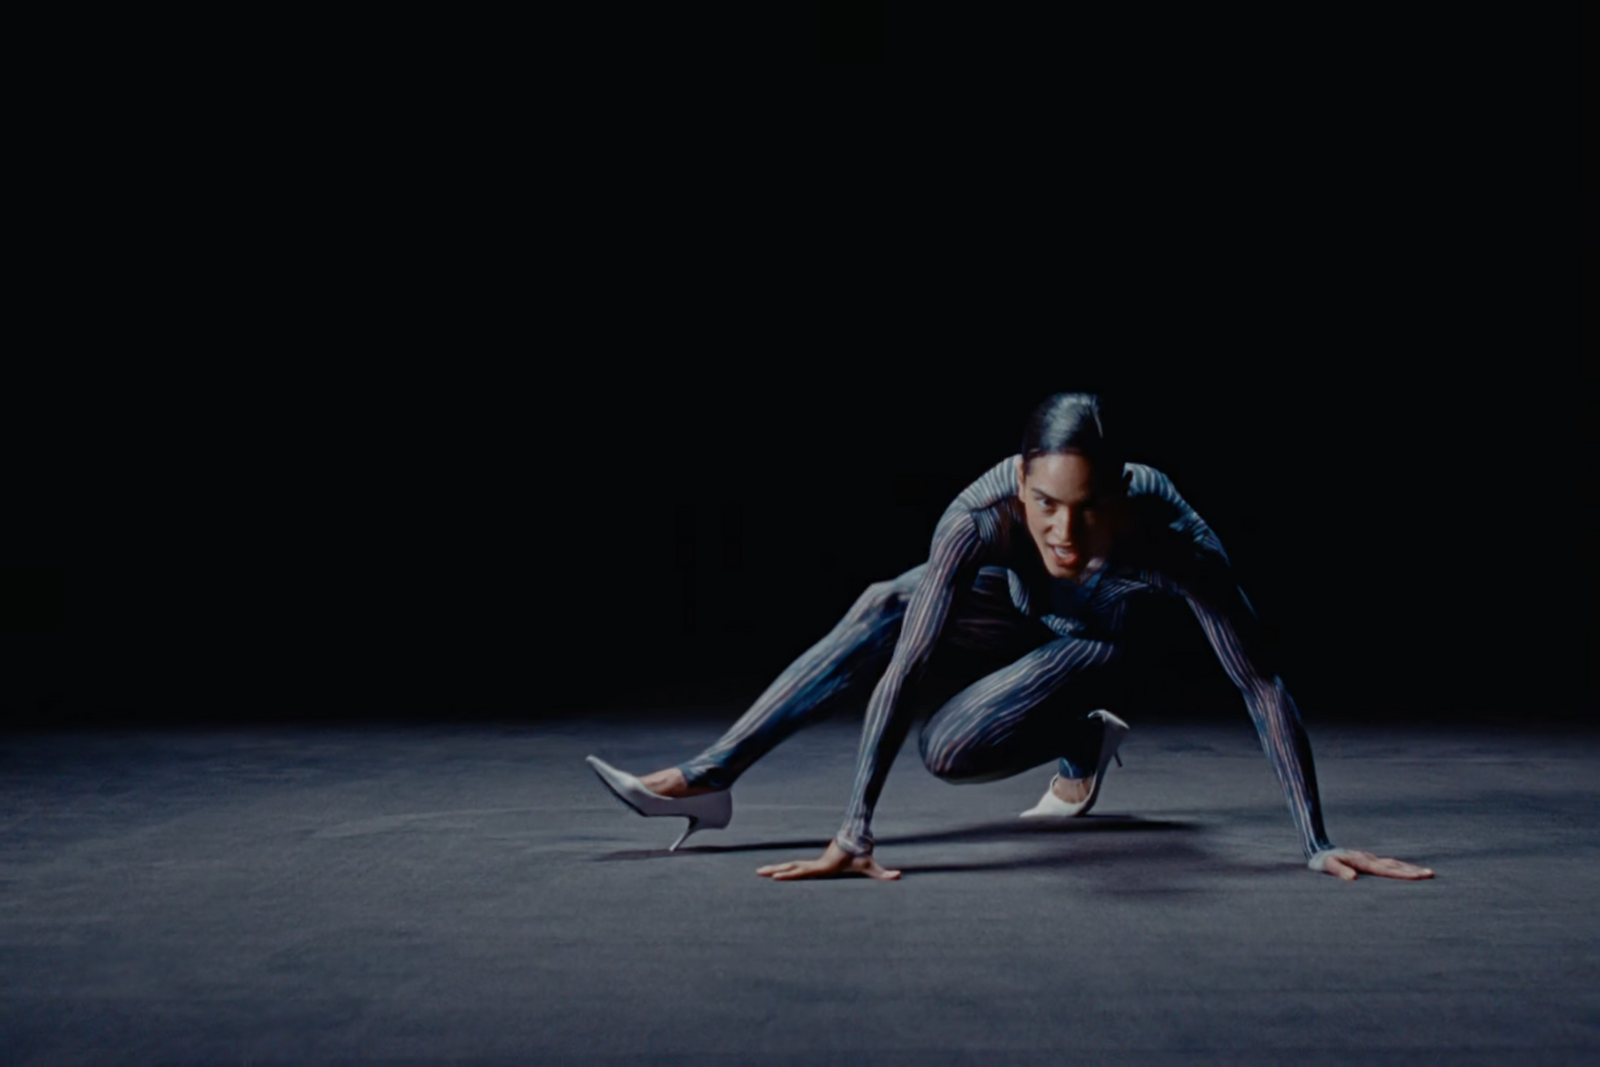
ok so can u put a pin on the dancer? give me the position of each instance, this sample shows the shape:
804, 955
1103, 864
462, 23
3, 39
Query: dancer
1022, 606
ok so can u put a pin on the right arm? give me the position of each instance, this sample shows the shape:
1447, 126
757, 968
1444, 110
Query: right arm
952, 566
953, 562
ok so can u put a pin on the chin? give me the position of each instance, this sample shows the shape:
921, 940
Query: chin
1056, 570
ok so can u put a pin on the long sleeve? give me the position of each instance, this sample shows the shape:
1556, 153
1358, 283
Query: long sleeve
1232, 628
1149, 484
1203, 577
952, 565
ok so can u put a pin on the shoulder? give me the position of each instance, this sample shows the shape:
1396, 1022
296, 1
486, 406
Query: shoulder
1157, 503
982, 511
997, 484
1154, 492
1146, 481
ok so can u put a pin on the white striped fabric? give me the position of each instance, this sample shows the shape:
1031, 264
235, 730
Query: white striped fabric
985, 527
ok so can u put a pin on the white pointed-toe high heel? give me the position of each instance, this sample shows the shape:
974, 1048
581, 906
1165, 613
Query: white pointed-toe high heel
1050, 804
705, 811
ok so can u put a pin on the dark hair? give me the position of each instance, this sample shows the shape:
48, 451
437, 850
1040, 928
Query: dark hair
1071, 422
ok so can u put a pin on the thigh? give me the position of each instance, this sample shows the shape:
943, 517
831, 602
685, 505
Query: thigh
1021, 714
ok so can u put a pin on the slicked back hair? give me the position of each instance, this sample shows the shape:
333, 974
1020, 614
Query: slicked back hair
1072, 422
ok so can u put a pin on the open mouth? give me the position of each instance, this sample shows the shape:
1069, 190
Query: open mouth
1066, 555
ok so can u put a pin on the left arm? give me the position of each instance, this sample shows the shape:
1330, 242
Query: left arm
1232, 628
1234, 634
1190, 561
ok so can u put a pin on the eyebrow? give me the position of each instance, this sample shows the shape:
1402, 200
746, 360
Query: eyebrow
1042, 495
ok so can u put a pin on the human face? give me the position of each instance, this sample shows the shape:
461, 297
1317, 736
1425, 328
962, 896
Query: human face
1067, 517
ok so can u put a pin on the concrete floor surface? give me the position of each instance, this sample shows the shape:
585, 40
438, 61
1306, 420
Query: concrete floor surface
471, 894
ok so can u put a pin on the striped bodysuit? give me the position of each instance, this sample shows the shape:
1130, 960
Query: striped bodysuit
1030, 653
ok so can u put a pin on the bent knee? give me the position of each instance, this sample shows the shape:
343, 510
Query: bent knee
968, 760
943, 757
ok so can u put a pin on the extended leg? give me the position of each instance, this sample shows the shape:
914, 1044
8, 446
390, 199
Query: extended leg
854, 652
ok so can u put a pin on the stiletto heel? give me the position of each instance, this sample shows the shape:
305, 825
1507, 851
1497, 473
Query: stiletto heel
694, 824
705, 811
1050, 804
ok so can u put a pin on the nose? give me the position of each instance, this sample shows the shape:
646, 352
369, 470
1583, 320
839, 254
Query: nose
1067, 525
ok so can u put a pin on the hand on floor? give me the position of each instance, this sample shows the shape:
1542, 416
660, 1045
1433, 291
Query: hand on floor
834, 863
1346, 862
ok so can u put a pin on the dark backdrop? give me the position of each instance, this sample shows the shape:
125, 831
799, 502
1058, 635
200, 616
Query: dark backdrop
628, 407
1416, 540
851, 32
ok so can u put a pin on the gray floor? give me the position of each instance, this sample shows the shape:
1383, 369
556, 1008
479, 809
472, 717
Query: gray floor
472, 895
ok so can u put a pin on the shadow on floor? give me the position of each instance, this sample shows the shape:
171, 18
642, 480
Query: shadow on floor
994, 831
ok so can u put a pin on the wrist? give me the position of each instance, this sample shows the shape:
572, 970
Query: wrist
1319, 858
852, 848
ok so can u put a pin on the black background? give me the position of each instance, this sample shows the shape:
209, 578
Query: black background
852, 32
522, 409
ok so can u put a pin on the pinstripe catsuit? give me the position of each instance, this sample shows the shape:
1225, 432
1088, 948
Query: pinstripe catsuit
1043, 651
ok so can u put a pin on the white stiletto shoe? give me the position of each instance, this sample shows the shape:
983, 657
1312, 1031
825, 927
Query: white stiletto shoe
1050, 804
705, 811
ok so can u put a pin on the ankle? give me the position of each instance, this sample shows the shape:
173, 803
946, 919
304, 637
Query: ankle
1072, 790
670, 782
